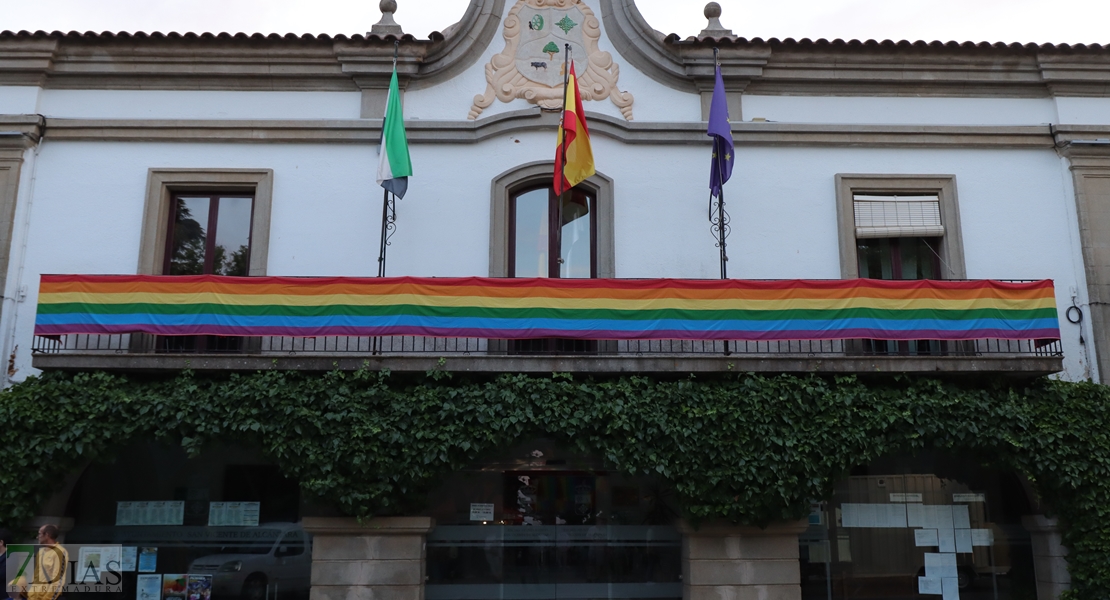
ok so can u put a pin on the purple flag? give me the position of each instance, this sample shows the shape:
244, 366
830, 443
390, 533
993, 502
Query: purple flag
721, 132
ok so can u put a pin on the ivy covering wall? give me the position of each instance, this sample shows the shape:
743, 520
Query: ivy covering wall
747, 448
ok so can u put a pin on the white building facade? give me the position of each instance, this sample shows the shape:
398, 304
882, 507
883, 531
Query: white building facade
1005, 149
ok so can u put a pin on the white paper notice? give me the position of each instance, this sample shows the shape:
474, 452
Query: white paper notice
951, 588
944, 516
940, 565
925, 538
915, 515
982, 537
150, 513
905, 497
873, 515
960, 517
929, 585
958, 498
233, 514
947, 540
481, 512
963, 540
129, 558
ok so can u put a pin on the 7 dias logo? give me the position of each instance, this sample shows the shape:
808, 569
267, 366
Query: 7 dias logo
46, 571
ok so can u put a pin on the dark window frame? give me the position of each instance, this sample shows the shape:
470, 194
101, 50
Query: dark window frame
210, 228
554, 229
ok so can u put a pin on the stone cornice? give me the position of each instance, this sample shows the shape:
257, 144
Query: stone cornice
349, 63
368, 131
244, 62
19, 132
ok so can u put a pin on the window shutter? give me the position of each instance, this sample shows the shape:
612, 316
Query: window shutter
897, 216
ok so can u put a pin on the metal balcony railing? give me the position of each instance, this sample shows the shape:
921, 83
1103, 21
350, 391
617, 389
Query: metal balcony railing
430, 346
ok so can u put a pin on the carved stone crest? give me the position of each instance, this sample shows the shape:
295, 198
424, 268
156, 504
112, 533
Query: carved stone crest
531, 65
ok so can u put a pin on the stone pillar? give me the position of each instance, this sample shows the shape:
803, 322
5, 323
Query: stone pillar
1050, 562
730, 562
378, 559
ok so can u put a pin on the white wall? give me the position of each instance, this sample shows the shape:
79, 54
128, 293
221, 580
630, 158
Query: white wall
864, 110
197, 104
1083, 111
19, 99
1014, 205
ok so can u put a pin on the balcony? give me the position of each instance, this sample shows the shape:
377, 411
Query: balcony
507, 326
137, 352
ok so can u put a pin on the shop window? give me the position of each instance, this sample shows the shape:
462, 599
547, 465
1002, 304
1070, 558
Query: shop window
543, 523
919, 527
225, 518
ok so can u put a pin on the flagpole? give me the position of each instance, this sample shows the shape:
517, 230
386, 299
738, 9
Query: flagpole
563, 116
389, 209
722, 223
389, 217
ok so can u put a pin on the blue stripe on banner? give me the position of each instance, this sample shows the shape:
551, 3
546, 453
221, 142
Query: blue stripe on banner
539, 323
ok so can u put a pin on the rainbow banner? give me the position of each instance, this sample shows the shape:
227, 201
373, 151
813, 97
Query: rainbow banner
594, 309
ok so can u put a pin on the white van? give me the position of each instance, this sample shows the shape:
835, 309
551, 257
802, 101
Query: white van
282, 569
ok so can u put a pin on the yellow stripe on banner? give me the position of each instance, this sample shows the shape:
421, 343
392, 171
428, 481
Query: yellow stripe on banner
542, 302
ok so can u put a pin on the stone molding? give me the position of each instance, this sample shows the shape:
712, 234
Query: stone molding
368, 131
244, 62
342, 63
161, 183
944, 186
1090, 167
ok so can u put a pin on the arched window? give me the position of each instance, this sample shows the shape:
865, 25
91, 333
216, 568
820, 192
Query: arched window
531, 229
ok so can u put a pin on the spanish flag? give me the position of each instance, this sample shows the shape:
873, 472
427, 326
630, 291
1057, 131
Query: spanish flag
579, 156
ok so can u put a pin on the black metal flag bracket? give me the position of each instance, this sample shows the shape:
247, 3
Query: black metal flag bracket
389, 227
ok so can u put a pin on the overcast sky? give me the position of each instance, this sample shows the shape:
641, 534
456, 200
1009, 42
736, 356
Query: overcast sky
1074, 21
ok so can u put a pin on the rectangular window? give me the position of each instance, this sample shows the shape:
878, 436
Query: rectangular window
898, 238
208, 234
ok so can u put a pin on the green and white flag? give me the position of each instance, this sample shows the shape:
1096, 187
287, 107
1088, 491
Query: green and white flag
394, 164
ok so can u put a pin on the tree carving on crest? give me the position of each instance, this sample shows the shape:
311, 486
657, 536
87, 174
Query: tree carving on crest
532, 63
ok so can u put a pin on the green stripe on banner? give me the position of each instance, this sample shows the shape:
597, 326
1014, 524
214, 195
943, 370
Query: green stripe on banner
554, 313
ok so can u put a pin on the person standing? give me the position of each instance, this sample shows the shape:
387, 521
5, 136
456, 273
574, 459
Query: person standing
5, 540
51, 562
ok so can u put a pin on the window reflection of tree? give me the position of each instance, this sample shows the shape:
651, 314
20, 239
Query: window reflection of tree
189, 242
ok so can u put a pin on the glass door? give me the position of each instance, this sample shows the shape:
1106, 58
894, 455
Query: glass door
553, 236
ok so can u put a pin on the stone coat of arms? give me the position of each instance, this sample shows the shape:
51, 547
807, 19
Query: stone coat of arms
532, 64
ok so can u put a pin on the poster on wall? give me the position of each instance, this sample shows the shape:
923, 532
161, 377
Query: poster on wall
199, 587
233, 514
174, 586
149, 587
94, 561
150, 513
148, 560
129, 558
